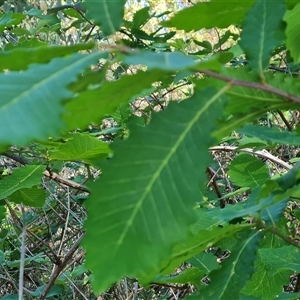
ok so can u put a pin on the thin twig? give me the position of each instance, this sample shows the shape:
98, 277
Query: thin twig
22, 257
58, 269
285, 121
254, 85
65, 181
262, 153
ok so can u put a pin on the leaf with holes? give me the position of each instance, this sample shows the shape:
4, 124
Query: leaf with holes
147, 191
228, 282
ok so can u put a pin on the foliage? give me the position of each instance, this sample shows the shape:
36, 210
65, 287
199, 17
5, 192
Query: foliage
151, 148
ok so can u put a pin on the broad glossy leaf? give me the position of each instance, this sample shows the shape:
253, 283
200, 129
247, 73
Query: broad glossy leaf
148, 190
236, 270
81, 111
199, 16
24, 177
82, 147
34, 196
291, 17
246, 170
271, 134
20, 59
30, 104
105, 13
263, 31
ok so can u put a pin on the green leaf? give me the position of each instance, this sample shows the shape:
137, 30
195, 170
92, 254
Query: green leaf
105, 13
34, 196
205, 262
20, 59
2, 212
141, 17
236, 270
26, 177
199, 16
148, 190
196, 243
264, 284
246, 170
291, 17
81, 111
246, 104
279, 259
30, 105
170, 61
82, 147
262, 32
271, 134
190, 275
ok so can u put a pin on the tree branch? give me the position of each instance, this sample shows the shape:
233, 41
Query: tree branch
254, 85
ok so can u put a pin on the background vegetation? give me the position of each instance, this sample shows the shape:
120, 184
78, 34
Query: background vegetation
149, 149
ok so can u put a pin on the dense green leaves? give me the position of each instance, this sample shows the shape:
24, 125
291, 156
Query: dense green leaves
152, 185
167, 208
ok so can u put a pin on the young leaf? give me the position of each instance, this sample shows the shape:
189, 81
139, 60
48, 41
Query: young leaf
148, 190
200, 15
262, 32
246, 170
82, 147
236, 270
105, 13
30, 105
291, 17
21, 178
